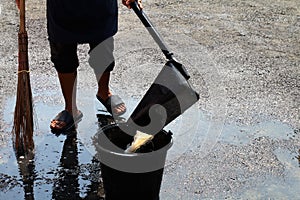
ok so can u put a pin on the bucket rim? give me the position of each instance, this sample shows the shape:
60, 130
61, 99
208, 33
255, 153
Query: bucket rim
106, 127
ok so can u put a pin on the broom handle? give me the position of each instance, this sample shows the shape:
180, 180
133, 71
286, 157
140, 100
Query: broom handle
153, 32
22, 16
23, 41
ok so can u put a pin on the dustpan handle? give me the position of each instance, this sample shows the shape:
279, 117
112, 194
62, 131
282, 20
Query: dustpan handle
153, 32
158, 39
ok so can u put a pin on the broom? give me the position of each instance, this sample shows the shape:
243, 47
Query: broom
23, 116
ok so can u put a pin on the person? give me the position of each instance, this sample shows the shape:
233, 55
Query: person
73, 22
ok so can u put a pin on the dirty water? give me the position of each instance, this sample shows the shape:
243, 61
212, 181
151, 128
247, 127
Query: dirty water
65, 167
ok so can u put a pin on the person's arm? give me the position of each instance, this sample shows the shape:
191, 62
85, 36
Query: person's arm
128, 2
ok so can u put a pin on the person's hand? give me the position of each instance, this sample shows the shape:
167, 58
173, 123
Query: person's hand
128, 2
18, 3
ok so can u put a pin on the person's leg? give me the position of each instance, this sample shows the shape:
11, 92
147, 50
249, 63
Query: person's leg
68, 83
102, 61
64, 57
104, 91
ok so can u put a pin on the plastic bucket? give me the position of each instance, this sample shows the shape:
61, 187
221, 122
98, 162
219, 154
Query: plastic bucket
131, 176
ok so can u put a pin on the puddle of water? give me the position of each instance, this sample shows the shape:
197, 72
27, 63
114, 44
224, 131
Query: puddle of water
62, 166
277, 187
286, 187
242, 135
52, 174
48, 170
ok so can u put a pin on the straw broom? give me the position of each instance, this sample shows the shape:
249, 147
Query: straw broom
23, 116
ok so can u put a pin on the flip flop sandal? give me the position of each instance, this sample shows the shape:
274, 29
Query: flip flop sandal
67, 118
112, 102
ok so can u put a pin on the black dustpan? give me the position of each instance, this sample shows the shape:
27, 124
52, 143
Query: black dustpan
170, 94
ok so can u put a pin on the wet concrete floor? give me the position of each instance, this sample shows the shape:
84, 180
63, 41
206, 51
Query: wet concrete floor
65, 166
241, 140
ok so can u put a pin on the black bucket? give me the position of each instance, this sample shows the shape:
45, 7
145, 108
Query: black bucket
131, 176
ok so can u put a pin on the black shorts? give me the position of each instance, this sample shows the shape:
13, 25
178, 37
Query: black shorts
65, 59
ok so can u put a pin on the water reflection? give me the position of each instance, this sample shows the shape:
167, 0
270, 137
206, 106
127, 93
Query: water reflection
105, 119
27, 171
66, 185
24, 150
72, 180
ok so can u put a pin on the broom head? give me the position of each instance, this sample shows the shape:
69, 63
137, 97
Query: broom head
23, 116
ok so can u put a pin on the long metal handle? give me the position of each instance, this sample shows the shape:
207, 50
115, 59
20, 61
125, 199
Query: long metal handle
153, 32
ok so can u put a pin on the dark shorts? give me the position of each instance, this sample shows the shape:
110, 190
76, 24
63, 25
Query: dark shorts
65, 59
81, 21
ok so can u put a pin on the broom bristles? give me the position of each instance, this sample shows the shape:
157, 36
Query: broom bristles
23, 116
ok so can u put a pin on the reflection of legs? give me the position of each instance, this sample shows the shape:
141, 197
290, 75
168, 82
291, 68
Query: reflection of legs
95, 190
67, 186
69, 158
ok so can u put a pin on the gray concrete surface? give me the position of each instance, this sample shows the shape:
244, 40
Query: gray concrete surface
243, 142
